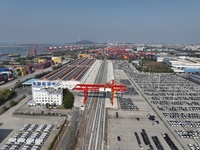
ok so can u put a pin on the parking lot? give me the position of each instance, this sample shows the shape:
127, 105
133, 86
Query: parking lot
30, 136
173, 100
28, 127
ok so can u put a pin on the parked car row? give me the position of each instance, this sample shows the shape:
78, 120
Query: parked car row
138, 140
127, 104
182, 115
32, 128
169, 141
194, 146
166, 108
190, 103
184, 123
131, 91
41, 128
188, 134
125, 81
157, 143
146, 139
29, 138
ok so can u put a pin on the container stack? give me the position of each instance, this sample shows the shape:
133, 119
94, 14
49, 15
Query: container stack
43, 65
29, 69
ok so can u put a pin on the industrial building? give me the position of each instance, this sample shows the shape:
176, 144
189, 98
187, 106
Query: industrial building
49, 89
181, 63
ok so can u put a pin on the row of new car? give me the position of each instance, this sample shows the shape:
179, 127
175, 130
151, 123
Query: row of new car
184, 123
127, 104
194, 146
182, 115
169, 141
188, 134
190, 103
35, 127
157, 143
146, 139
27, 139
166, 108
28, 127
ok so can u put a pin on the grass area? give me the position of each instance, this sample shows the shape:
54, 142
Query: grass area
155, 67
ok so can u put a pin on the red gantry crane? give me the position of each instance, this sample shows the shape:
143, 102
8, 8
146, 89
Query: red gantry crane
111, 86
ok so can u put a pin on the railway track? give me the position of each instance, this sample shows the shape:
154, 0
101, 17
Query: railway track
92, 135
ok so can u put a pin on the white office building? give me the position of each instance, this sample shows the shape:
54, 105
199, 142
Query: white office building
44, 91
48, 95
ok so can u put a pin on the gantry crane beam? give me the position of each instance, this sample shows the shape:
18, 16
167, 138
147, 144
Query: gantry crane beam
111, 86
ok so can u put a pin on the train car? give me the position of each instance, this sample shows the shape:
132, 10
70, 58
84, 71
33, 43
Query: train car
5, 77
1, 79
9, 74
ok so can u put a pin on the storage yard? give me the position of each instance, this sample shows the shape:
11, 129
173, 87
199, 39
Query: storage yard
158, 111
167, 116
9, 74
126, 52
28, 132
30, 136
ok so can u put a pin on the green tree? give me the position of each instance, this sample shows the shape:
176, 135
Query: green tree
47, 105
12, 103
4, 108
18, 84
68, 99
5, 94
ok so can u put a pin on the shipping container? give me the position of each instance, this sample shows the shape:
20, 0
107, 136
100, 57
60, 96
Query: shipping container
23, 73
4, 69
28, 69
17, 73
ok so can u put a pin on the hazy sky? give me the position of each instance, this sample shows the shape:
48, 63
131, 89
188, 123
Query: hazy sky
137, 21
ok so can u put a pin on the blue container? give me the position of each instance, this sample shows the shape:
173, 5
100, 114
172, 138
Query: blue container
4, 69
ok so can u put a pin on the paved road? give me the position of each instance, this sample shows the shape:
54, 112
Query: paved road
68, 139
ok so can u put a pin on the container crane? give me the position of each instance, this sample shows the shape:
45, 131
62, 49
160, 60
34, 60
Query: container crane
111, 86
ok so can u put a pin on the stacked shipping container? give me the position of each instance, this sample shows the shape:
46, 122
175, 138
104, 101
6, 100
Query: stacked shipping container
126, 52
43, 65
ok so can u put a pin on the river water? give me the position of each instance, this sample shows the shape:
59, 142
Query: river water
22, 50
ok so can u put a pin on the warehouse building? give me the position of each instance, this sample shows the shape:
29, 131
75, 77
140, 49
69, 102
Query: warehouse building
181, 63
49, 89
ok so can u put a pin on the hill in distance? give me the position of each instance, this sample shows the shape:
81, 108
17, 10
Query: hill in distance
83, 42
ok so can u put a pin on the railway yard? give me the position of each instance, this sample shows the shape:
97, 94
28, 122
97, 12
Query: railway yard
74, 70
158, 111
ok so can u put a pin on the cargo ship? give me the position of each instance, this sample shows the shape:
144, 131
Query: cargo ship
14, 55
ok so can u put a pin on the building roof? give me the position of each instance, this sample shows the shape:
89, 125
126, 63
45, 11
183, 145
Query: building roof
29, 82
177, 70
191, 70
